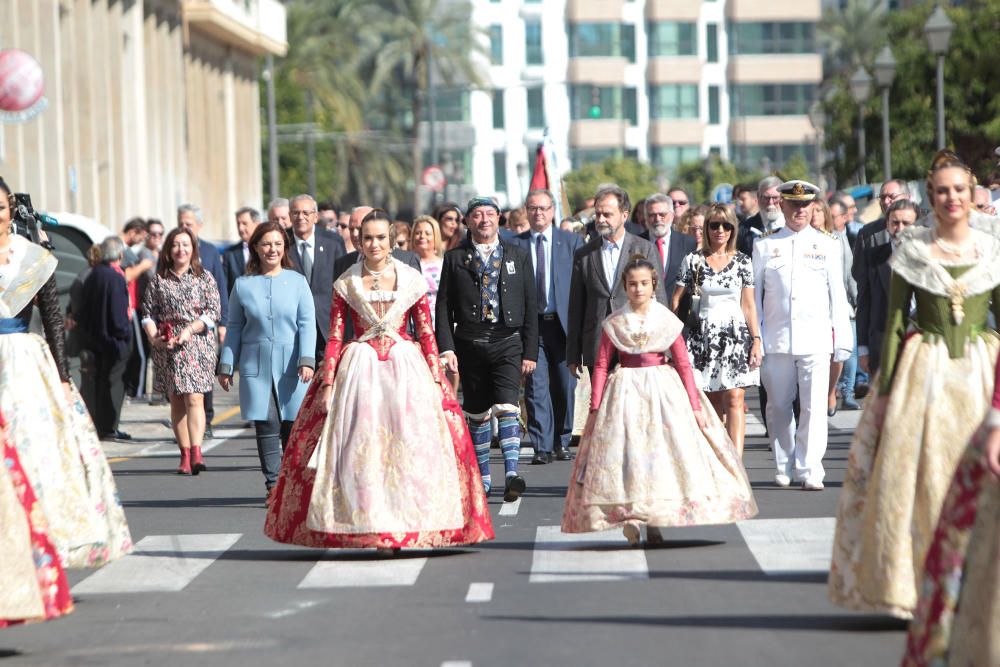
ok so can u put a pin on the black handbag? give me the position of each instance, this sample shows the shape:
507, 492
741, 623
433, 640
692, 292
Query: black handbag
693, 320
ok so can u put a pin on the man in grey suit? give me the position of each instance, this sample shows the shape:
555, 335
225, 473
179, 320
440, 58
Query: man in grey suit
596, 288
671, 247
548, 392
314, 251
873, 308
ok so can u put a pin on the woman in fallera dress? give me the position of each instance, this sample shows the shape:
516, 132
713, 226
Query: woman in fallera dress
651, 453
933, 388
56, 441
379, 455
957, 621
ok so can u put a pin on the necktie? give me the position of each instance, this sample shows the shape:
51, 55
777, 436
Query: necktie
541, 283
307, 263
661, 245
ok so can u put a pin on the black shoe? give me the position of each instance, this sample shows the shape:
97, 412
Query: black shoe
513, 488
115, 435
563, 454
209, 434
831, 411
574, 441
541, 458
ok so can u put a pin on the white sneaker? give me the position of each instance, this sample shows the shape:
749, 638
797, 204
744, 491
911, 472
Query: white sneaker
812, 486
782, 480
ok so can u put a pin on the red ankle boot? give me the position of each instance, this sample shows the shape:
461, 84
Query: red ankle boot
185, 467
197, 463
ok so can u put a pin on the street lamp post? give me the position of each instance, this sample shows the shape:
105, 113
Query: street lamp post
818, 119
885, 72
861, 90
938, 31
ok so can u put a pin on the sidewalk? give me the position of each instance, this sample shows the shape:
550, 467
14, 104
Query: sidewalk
149, 426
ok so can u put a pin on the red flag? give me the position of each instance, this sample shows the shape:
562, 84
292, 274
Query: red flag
540, 176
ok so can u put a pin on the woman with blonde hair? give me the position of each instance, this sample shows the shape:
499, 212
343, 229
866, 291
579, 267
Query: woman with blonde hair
725, 344
692, 223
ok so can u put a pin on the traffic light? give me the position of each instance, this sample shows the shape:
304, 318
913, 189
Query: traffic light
595, 102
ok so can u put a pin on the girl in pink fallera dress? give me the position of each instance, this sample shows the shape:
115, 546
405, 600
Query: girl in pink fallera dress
650, 453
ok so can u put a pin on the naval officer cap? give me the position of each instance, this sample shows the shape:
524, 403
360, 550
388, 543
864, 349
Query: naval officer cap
798, 191
476, 202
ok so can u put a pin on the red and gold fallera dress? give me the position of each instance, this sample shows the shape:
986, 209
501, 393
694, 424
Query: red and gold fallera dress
391, 463
33, 585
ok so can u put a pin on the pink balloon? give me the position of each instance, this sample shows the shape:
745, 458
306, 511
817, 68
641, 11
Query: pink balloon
21, 81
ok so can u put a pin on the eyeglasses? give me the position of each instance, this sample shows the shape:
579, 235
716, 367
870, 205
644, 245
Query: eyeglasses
680, 202
771, 198
537, 209
343, 225
716, 225
155, 233
659, 215
302, 214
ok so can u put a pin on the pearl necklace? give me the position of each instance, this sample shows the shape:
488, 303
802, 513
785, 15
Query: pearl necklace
947, 247
376, 275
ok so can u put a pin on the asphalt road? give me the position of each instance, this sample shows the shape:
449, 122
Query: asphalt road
207, 588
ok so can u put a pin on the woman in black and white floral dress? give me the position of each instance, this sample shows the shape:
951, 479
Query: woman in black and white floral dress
725, 346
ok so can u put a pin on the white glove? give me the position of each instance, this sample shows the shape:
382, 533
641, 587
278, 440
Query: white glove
841, 355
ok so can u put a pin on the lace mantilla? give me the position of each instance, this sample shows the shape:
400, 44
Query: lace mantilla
635, 334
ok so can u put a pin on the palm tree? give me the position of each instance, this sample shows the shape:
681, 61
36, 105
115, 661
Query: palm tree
851, 37
403, 39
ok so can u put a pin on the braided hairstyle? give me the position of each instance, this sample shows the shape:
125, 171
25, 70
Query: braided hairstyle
638, 261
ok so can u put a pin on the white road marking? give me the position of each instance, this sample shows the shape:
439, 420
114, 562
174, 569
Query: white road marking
754, 426
456, 663
159, 563
364, 573
526, 452
480, 591
293, 609
790, 546
510, 509
561, 557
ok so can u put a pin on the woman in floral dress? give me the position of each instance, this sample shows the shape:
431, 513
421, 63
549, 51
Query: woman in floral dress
380, 455
650, 453
933, 388
725, 346
181, 308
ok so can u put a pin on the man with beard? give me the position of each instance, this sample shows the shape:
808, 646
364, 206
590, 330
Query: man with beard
745, 197
487, 331
800, 299
671, 248
597, 288
768, 217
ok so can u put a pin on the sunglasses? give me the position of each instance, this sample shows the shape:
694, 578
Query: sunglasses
343, 225
716, 225
680, 202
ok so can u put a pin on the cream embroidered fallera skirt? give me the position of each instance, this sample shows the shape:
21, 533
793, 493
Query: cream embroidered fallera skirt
61, 455
897, 477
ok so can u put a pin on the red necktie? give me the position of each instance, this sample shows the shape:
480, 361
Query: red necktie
660, 243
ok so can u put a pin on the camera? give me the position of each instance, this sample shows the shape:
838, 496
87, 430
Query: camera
27, 222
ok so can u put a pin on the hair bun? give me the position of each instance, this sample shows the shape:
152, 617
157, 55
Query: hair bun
945, 159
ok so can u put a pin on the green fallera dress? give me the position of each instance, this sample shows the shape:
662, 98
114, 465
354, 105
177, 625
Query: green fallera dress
937, 370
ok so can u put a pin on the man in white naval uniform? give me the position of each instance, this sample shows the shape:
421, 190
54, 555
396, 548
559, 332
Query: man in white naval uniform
805, 318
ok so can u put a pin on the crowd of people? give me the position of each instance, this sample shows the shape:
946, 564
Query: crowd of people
378, 361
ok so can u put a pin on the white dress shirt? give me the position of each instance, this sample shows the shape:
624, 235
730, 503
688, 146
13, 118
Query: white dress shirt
310, 248
611, 252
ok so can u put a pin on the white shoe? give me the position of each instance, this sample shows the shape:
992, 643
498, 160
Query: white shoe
631, 532
812, 486
782, 480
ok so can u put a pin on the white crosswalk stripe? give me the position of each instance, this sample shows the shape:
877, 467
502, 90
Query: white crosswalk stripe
790, 546
561, 557
354, 573
159, 563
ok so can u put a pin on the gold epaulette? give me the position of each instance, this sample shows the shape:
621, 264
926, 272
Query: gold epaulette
826, 233
766, 234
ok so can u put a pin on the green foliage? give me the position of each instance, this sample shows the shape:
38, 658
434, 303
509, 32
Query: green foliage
639, 179
699, 178
365, 62
972, 98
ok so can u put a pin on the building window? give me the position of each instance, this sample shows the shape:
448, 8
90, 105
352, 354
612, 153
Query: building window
498, 115
452, 105
601, 102
712, 42
533, 43
771, 37
496, 45
536, 108
581, 156
606, 40
673, 100
671, 38
500, 172
788, 99
671, 157
714, 111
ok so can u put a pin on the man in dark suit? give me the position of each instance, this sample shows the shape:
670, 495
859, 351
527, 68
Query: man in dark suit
236, 256
314, 251
107, 334
873, 295
487, 330
596, 288
671, 247
189, 217
548, 392
767, 219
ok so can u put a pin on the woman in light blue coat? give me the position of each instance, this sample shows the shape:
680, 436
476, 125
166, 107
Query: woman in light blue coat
270, 339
